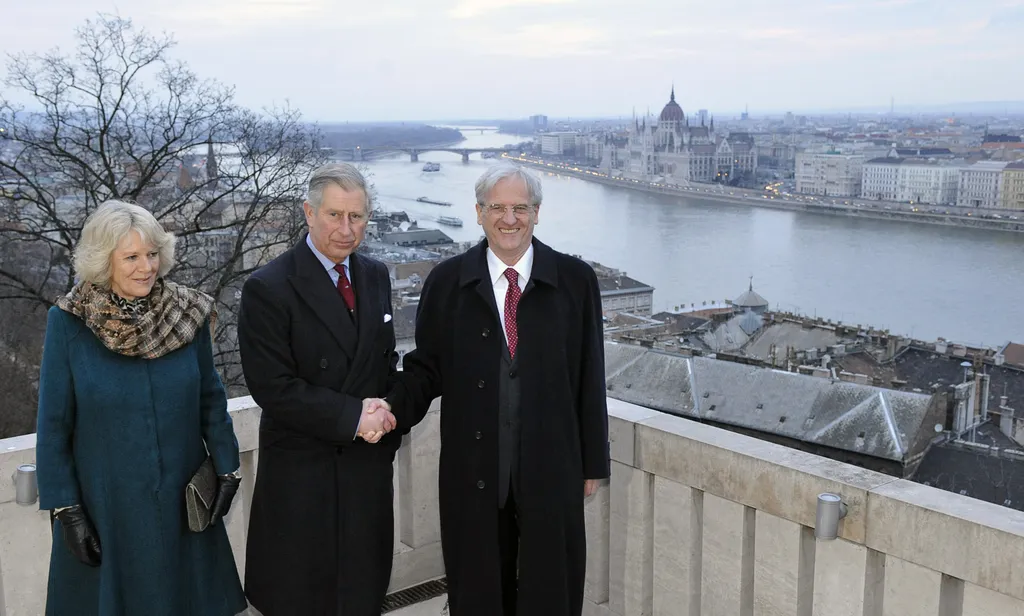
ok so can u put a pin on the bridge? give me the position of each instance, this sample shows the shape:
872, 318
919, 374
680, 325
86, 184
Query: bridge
358, 153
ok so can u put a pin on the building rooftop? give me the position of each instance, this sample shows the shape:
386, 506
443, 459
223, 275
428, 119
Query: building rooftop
926, 370
979, 471
391, 253
1014, 352
787, 336
405, 321
611, 284
416, 237
924, 151
987, 165
730, 336
872, 421
672, 112
750, 299
682, 322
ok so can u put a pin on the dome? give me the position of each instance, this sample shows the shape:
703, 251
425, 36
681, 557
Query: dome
751, 299
672, 111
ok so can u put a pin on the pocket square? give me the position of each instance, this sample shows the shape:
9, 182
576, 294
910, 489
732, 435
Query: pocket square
387, 318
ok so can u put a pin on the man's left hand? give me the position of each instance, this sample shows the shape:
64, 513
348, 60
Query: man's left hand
590, 487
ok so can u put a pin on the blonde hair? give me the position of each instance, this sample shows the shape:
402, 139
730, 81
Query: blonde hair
104, 230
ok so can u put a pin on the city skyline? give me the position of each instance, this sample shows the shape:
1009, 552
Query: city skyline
403, 60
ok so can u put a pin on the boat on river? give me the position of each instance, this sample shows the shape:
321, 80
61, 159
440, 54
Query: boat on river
432, 201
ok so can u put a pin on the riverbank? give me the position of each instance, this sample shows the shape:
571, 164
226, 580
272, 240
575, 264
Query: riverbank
754, 198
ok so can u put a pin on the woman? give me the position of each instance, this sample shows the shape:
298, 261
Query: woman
129, 405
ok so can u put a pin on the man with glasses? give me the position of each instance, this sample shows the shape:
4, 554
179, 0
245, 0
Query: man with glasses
509, 334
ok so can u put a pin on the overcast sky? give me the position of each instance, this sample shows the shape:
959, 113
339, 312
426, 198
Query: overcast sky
437, 59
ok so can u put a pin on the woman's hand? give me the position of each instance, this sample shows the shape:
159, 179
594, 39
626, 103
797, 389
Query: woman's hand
80, 535
227, 486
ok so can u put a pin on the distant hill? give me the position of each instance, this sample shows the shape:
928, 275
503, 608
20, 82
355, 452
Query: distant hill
387, 135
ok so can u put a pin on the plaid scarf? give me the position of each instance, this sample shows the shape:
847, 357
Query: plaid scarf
169, 319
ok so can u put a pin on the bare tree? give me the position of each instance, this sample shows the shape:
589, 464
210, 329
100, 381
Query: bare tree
120, 119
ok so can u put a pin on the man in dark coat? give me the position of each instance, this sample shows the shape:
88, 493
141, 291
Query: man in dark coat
510, 335
318, 344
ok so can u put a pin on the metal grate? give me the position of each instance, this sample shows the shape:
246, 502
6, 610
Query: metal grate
414, 595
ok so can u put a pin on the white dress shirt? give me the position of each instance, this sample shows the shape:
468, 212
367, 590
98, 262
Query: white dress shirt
329, 265
496, 268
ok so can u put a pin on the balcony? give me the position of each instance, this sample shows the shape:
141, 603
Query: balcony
696, 521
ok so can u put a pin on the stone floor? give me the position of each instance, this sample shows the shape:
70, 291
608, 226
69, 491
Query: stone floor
427, 608
432, 607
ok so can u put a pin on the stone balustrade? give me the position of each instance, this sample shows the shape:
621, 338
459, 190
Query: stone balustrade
695, 521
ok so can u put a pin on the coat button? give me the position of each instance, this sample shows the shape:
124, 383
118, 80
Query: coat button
478, 436
323, 364
480, 484
512, 374
480, 384
486, 332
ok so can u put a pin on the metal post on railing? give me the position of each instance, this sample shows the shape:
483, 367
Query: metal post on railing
831, 509
26, 487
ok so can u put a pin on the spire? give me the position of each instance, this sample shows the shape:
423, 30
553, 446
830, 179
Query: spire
211, 165
672, 97
751, 282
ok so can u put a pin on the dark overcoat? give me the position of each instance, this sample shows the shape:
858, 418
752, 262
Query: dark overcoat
564, 424
321, 529
122, 436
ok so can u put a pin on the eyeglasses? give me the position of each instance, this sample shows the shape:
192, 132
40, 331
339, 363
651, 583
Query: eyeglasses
497, 210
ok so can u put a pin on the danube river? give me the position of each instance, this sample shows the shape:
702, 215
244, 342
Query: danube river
918, 280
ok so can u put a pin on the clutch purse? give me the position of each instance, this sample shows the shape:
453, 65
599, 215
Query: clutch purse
199, 495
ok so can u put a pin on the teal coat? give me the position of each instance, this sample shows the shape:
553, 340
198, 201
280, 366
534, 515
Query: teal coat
122, 436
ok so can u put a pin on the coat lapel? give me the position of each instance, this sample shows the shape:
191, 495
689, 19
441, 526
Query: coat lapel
474, 270
369, 313
313, 284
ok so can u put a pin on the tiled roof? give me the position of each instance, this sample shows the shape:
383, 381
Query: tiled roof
857, 418
1014, 352
620, 283
974, 472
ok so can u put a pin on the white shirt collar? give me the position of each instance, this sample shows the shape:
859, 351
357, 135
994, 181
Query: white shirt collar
496, 267
327, 263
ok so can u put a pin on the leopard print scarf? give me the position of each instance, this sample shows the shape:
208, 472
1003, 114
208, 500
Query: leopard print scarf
168, 319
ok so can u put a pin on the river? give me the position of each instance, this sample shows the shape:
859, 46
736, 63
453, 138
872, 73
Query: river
923, 281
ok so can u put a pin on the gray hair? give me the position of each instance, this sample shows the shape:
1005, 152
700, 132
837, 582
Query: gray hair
345, 176
104, 230
504, 171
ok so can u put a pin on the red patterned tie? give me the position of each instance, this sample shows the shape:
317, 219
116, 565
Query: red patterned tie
512, 296
345, 287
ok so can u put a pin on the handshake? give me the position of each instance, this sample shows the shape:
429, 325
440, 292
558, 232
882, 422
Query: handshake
376, 420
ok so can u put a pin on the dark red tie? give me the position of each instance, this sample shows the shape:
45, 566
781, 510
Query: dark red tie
512, 296
345, 287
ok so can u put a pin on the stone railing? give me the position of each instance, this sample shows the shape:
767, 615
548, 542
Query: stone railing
702, 521
696, 521
25, 531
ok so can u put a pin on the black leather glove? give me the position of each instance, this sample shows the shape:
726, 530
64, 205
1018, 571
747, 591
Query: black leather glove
79, 535
227, 486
